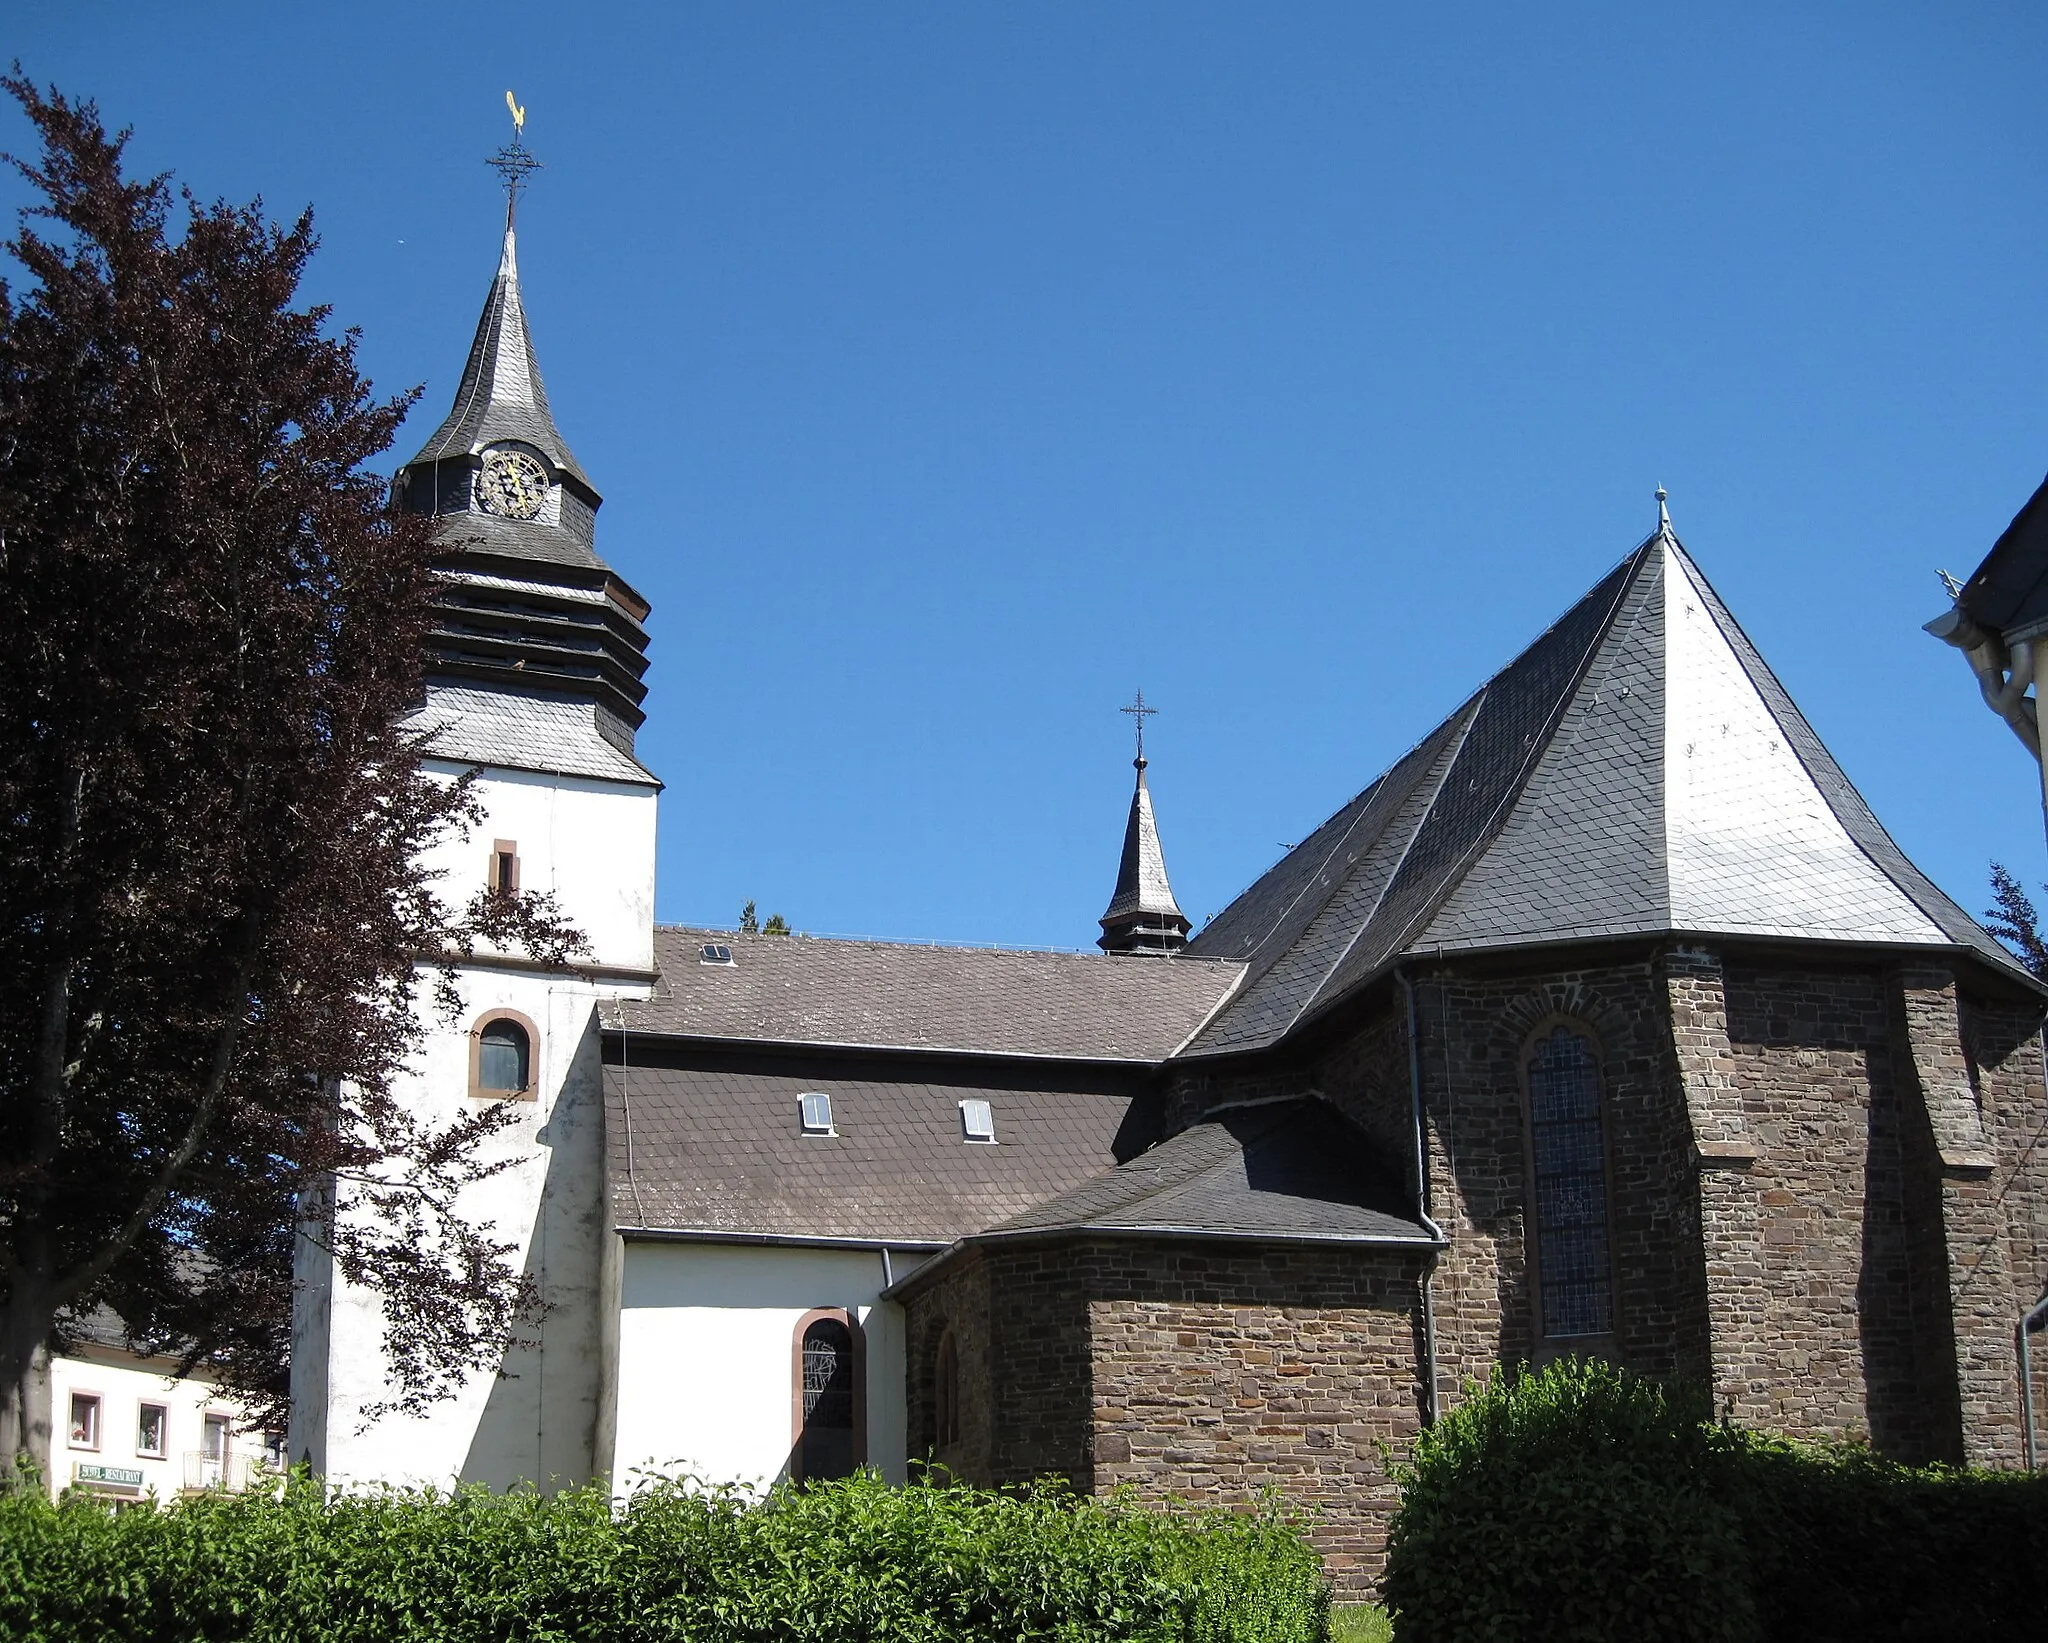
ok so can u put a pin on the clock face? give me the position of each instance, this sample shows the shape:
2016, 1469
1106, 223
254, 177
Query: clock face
512, 484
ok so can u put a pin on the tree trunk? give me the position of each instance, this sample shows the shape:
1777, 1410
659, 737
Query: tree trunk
24, 1400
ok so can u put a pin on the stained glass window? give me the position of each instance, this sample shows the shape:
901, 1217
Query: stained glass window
826, 1447
1570, 1162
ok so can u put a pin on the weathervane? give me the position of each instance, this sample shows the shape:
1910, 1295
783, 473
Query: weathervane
513, 162
1139, 712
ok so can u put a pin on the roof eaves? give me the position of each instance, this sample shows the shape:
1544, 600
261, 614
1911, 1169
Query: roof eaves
792, 1240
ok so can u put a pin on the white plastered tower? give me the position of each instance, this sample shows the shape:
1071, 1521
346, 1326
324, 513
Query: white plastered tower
534, 684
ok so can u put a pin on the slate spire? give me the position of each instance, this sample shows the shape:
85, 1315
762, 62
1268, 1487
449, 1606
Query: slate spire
1142, 916
502, 398
528, 608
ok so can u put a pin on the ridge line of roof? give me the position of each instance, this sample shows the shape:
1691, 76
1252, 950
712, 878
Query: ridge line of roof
909, 943
1511, 793
1237, 982
1394, 872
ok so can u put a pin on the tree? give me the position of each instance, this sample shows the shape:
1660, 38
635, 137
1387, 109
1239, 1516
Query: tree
214, 928
750, 924
2014, 921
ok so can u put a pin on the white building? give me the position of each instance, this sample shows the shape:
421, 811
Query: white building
128, 1426
715, 1278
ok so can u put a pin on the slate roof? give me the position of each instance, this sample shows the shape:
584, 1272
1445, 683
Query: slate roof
474, 532
2008, 592
1637, 770
975, 1000
508, 731
1290, 1169
501, 395
719, 1149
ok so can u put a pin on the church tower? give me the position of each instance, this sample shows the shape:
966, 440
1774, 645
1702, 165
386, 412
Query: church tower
534, 689
1142, 916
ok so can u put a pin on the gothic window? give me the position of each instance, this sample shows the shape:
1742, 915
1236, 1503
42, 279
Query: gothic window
1568, 1169
501, 1057
946, 1393
827, 1442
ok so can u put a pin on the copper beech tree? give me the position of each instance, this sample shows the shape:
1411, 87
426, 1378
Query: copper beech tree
216, 935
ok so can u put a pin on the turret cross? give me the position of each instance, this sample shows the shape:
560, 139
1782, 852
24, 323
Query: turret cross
513, 162
1139, 713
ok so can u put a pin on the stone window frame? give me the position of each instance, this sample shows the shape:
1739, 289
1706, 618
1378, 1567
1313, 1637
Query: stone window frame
1550, 1345
946, 1390
796, 1386
476, 1048
503, 873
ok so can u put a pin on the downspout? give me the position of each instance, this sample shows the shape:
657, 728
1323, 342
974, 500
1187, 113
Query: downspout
2035, 1317
1430, 1407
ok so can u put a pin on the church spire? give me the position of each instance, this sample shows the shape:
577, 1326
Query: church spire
528, 607
1142, 916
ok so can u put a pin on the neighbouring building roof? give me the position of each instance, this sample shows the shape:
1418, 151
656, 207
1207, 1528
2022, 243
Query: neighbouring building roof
1287, 1170
1637, 770
716, 1147
2008, 593
890, 995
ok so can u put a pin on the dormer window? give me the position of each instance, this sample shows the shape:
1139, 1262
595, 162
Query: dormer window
814, 1114
504, 867
977, 1122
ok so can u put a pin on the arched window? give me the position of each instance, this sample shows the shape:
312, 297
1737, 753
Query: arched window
1568, 1170
501, 1057
828, 1398
946, 1393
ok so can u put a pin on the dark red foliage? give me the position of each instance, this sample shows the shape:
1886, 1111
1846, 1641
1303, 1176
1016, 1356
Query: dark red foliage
211, 908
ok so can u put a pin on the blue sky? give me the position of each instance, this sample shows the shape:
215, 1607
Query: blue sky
952, 370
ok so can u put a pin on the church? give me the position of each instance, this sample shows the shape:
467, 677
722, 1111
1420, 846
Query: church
1608, 1021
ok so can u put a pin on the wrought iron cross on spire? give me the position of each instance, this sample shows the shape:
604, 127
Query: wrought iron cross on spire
1139, 713
513, 162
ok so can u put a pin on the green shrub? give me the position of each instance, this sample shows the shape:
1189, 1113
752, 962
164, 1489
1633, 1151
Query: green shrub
1578, 1503
1584, 1502
835, 1563
1846, 1546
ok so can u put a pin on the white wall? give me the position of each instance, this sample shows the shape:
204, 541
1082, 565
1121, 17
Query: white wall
123, 1384
706, 1337
592, 843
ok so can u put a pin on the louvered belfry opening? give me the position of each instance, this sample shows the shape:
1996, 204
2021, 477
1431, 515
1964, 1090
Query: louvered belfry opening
825, 1448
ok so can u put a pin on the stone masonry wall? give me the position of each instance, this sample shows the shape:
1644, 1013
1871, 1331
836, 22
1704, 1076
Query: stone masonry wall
1221, 1372
1191, 1371
2003, 1042
956, 1301
1475, 1030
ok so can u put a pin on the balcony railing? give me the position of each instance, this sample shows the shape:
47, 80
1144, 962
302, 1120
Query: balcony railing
229, 1472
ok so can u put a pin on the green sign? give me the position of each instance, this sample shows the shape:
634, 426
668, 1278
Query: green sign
110, 1477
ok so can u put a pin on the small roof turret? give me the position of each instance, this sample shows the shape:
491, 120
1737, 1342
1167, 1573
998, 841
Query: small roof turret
1142, 916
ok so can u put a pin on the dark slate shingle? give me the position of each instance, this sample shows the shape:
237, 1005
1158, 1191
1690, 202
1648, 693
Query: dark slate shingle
977, 1000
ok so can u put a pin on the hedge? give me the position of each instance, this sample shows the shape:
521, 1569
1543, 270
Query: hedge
1584, 1503
832, 1563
